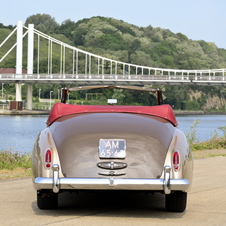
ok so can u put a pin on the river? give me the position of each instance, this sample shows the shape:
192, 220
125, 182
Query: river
18, 133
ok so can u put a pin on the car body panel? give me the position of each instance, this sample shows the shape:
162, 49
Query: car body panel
78, 145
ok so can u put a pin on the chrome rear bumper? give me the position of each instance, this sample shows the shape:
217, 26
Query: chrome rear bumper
167, 185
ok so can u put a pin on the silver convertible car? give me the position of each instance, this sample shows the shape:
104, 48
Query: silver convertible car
113, 148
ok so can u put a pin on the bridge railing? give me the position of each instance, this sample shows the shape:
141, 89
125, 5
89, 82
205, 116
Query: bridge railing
41, 107
4, 106
209, 78
109, 76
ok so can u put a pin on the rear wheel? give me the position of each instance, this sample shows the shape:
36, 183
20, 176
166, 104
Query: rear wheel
176, 202
47, 200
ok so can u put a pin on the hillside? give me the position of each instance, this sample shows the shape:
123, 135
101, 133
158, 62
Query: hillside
125, 42
143, 45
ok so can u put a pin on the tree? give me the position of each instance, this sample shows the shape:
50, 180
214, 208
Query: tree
118, 94
79, 36
67, 27
42, 22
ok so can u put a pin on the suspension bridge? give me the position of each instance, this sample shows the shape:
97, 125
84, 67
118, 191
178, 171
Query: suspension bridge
88, 68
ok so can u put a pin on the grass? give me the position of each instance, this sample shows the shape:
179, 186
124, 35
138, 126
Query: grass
212, 143
14, 164
12, 160
15, 173
209, 153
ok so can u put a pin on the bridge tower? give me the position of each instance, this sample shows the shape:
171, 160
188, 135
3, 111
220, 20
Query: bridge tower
19, 58
30, 57
19, 61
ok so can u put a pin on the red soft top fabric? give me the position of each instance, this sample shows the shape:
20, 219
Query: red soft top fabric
162, 111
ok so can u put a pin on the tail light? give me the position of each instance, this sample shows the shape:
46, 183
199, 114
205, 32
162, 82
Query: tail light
48, 158
176, 160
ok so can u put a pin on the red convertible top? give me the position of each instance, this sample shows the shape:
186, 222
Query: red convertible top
162, 111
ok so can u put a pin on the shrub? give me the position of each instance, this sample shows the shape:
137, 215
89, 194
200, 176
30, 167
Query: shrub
191, 135
213, 143
12, 160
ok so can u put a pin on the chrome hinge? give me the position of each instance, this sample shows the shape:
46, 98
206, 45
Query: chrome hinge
112, 165
111, 173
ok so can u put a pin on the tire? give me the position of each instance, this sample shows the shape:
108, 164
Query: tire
47, 200
176, 202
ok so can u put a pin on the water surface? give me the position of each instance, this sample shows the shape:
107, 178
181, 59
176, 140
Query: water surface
207, 125
19, 133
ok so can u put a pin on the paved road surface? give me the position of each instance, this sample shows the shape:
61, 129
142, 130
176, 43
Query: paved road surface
206, 204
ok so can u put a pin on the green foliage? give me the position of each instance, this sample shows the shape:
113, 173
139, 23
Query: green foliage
191, 135
112, 41
9, 63
206, 48
214, 134
79, 36
202, 100
222, 53
213, 143
181, 37
118, 94
120, 25
42, 22
66, 28
10, 160
175, 95
190, 105
75, 96
224, 130
8, 27
36, 99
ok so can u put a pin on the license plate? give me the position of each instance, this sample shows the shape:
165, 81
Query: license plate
112, 148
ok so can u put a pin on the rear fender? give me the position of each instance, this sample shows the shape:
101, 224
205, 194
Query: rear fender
44, 142
179, 143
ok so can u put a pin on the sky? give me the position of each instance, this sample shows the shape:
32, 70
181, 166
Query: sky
197, 19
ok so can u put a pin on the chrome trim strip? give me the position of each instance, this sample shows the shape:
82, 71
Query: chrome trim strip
111, 173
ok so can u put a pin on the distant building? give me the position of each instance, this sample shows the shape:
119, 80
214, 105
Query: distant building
11, 71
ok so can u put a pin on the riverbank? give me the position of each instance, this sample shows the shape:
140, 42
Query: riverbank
46, 112
24, 112
199, 112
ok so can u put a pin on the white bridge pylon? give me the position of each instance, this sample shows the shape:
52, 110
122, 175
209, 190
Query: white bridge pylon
117, 73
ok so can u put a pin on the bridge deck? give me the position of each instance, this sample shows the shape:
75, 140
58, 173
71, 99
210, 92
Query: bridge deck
113, 79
